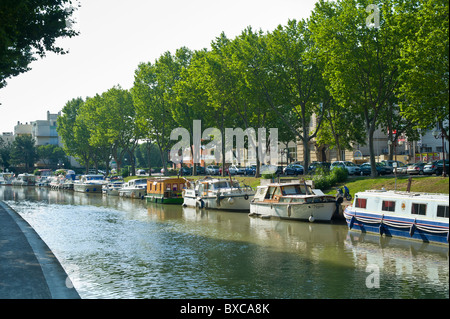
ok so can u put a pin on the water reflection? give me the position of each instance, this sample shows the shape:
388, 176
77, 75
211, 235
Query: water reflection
124, 248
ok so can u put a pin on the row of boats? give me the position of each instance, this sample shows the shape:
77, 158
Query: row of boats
419, 216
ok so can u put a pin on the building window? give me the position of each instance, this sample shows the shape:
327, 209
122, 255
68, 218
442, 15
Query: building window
419, 209
388, 206
361, 202
442, 211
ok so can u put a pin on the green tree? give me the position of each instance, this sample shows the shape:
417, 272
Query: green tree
300, 88
74, 133
29, 28
424, 63
51, 154
5, 154
24, 152
153, 113
360, 61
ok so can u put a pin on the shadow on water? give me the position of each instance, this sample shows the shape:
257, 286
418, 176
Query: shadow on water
123, 248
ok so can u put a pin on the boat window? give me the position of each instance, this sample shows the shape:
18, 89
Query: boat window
298, 200
419, 209
150, 186
277, 191
270, 192
221, 184
182, 186
442, 211
361, 202
291, 190
388, 206
175, 187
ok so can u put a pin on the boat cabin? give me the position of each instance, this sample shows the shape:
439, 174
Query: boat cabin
167, 187
290, 193
403, 203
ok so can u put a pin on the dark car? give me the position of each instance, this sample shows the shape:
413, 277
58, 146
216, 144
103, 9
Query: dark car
440, 167
200, 170
366, 169
250, 170
430, 168
324, 166
185, 171
293, 169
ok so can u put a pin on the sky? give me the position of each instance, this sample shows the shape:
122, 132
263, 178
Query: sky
116, 35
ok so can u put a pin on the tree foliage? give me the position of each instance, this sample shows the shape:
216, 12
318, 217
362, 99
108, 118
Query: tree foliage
29, 28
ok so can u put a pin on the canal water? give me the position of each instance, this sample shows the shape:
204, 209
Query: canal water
122, 248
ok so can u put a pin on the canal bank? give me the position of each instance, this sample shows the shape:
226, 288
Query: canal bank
28, 268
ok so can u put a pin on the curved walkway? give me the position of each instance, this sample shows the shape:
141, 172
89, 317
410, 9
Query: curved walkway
28, 268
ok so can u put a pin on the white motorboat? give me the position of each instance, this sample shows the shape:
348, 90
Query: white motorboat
43, 181
217, 193
113, 187
89, 184
295, 200
6, 178
135, 188
56, 182
24, 180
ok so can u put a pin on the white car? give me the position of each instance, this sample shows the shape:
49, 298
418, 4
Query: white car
236, 170
213, 170
351, 167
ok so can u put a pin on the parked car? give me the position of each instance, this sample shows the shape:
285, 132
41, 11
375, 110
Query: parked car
430, 168
440, 167
201, 170
140, 172
236, 170
185, 171
321, 165
416, 168
351, 167
213, 170
402, 168
366, 169
390, 164
250, 170
293, 169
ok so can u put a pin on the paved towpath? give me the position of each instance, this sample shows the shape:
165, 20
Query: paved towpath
28, 268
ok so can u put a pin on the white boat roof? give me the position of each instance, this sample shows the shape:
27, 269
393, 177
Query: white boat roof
403, 195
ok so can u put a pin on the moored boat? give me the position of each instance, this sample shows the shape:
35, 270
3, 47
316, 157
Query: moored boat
293, 200
217, 193
89, 184
166, 190
24, 180
112, 187
6, 178
135, 188
418, 216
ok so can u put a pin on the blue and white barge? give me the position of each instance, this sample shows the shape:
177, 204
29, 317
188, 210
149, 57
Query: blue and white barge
418, 216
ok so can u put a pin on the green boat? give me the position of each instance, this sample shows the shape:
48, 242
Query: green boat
166, 190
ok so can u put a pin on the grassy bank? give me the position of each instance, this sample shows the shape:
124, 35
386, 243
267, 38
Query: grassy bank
429, 184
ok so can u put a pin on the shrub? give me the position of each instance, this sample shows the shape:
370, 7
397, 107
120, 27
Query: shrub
326, 180
268, 176
340, 174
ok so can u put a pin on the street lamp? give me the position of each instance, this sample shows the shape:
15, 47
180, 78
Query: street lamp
437, 135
